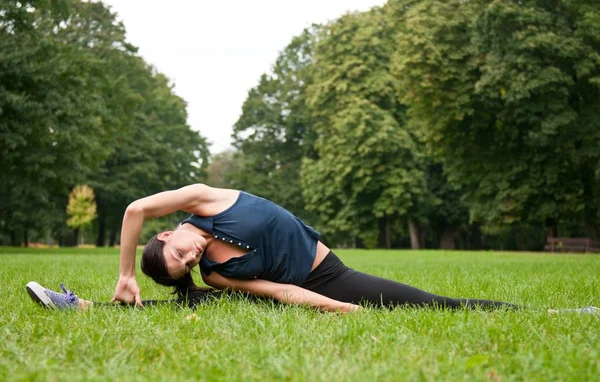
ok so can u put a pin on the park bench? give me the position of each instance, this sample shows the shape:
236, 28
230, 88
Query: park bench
572, 244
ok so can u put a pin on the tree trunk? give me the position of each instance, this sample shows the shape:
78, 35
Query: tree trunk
384, 239
590, 220
415, 236
592, 230
448, 240
71, 240
101, 238
359, 243
112, 238
551, 228
26, 237
520, 240
476, 239
590, 211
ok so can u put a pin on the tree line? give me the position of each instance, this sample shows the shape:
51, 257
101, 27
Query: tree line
78, 105
423, 123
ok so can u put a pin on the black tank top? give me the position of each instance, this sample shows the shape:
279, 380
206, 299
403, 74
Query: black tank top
281, 247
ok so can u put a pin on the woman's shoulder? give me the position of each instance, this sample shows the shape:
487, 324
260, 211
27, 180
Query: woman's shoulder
213, 200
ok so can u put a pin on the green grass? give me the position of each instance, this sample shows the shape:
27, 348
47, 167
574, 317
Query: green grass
234, 339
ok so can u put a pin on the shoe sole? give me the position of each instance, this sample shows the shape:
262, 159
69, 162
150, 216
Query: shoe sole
36, 292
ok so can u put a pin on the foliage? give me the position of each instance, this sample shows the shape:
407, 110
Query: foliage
78, 105
81, 208
52, 127
368, 165
512, 84
275, 130
455, 117
222, 169
156, 149
445, 216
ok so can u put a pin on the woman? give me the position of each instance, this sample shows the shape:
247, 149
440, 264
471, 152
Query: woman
245, 243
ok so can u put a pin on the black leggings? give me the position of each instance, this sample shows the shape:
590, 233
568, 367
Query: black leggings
333, 279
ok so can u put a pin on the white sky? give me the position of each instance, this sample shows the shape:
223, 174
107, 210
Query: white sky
215, 51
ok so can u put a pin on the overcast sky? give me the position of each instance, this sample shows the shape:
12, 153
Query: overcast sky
215, 51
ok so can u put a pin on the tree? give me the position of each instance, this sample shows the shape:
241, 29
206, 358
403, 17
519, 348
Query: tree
219, 172
275, 129
81, 208
446, 215
369, 171
54, 127
79, 106
511, 84
158, 150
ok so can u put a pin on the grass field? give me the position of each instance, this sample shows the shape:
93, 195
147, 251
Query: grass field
235, 339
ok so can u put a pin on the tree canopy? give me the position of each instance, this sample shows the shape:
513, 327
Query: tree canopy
418, 123
453, 117
78, 105
503, 93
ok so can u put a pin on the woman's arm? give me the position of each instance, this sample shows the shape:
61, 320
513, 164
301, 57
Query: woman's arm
287, 293
187, 198
190, 198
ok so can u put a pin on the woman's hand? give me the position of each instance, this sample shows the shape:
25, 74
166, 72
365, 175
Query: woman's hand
127, 291
352, 308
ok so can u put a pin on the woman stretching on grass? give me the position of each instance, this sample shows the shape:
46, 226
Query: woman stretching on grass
245, 243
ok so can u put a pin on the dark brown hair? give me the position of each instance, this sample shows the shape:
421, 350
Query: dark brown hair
154, 265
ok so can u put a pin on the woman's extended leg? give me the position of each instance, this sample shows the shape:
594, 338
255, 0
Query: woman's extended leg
335, 280
358, 287
51, 299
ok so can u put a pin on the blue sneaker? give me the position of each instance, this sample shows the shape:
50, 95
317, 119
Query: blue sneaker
50, 299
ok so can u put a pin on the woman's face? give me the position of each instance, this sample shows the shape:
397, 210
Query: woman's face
182, 251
